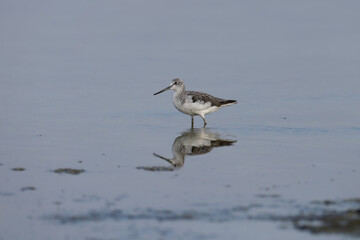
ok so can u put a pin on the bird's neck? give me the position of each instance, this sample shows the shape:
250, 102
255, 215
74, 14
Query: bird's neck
179, 93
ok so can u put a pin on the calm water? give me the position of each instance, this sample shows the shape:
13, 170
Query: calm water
77, 80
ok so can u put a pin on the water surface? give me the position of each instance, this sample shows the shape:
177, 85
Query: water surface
87, 152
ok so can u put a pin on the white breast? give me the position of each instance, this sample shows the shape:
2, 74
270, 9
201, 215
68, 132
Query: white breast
193, 108
182, 107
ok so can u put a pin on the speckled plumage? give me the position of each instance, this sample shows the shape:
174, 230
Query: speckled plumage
194, 103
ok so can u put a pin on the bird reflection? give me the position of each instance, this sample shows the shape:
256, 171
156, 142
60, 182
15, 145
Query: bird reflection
195, 141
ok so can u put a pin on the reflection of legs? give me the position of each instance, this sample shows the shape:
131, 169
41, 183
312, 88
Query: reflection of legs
203, 117
192, 121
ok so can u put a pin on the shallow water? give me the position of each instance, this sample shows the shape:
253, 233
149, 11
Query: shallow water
87, 152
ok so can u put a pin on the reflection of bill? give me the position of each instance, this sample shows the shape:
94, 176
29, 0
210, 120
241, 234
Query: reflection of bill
195, 141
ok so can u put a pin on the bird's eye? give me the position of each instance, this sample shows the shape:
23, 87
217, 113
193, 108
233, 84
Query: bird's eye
175, 83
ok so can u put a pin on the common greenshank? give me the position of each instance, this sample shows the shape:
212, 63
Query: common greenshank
194, 103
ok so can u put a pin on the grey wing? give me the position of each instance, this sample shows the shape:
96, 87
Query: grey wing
204, 97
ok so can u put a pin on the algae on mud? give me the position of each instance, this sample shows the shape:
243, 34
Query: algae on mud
18, 169
156, 168
28, 188
334, 222
314, 218
69, 171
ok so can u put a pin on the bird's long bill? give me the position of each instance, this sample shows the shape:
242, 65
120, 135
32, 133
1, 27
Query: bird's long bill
165, 89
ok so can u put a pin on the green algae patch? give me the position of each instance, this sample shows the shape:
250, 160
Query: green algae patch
156, 169
69, 171
339, 222
18, 169
28, 188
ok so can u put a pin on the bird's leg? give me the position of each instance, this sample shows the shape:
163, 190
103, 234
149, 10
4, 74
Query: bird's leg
203, 117
192, 121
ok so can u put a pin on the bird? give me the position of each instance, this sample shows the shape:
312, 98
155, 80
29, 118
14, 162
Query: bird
194, 103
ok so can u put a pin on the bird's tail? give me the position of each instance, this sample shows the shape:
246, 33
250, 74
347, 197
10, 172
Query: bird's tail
228, 103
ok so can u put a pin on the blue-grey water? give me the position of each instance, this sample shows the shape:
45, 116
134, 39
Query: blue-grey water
76, 92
